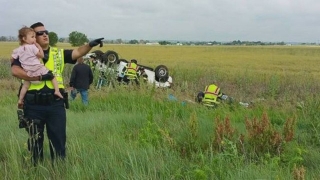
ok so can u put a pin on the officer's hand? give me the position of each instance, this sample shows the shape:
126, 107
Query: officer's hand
47, 77
96, 42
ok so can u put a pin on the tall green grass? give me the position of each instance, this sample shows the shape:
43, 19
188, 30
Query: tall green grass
141, 134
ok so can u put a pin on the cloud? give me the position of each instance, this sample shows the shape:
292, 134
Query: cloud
219, 20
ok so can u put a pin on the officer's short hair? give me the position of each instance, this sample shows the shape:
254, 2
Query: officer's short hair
37, 24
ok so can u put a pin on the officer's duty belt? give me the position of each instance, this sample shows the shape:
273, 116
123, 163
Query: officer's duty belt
41, 98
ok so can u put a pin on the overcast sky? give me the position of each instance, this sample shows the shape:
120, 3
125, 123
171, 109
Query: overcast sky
191, 20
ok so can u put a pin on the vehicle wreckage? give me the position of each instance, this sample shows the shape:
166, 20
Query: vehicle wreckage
111, 67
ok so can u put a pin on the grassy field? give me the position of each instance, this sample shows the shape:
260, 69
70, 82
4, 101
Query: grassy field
141, 134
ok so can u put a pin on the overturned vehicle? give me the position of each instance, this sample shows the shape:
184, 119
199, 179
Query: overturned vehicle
111, 68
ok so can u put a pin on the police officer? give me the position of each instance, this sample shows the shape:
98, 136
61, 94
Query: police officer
40, 104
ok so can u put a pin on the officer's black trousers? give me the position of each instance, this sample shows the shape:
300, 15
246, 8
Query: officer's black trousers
53, 118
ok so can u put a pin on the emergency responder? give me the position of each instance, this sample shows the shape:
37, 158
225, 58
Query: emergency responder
40, 103
211, 96
132, 72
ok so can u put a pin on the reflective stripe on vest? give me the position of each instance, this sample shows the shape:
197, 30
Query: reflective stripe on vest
132, 70
211, 93
55, 64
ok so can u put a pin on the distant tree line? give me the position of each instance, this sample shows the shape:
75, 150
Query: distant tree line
76, 38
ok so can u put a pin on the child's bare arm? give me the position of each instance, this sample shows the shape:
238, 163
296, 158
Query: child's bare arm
40, 54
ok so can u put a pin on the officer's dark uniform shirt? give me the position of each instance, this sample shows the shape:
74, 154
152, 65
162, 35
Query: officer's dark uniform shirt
67, 59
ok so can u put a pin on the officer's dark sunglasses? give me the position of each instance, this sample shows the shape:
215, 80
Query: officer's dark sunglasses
40, 33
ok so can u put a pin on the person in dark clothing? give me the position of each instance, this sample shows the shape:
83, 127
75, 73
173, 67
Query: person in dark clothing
41, 108
81, 78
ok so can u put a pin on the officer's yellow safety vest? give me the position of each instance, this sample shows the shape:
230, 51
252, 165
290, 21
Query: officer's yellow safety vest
132, 69
55, 64
211, 93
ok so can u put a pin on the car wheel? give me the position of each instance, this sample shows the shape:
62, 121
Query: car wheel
111, 57
161, 73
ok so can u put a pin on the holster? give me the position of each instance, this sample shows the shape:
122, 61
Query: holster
66, 100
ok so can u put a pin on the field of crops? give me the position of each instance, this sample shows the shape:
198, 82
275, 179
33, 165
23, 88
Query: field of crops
141, 134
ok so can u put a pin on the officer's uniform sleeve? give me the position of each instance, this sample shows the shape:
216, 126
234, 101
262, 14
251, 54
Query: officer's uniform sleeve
16, 62
68, 56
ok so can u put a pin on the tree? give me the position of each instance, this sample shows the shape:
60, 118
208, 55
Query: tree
3, 38
77, 38
164, 42
62, 39
118, 41
133, 41
53, 38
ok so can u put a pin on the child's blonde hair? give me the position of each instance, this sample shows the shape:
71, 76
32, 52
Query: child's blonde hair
23, 33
